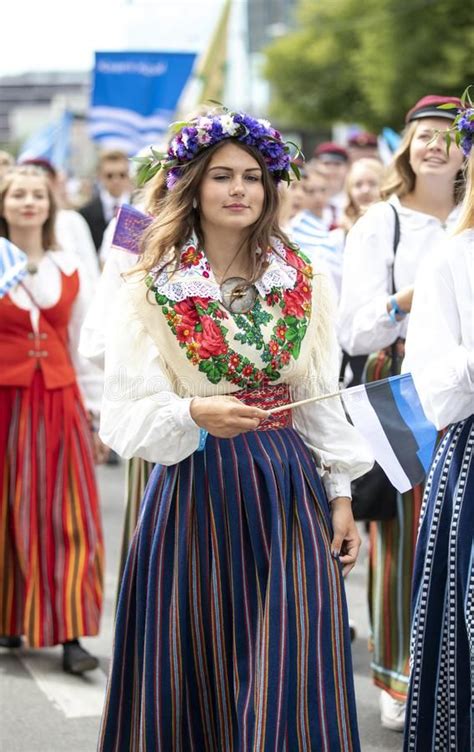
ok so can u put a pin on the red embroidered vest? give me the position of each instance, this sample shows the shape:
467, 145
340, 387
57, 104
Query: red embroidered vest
23, 351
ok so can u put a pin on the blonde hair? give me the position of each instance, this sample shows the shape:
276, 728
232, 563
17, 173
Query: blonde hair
466, 220
176, 219
400, 176
48, 236
352, 211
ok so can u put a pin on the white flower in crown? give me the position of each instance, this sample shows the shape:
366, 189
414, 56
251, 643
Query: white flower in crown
265, 123
228, 125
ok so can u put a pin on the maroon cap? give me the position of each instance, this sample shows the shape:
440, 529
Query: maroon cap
43, 164
332, 150
428, 107
364, 138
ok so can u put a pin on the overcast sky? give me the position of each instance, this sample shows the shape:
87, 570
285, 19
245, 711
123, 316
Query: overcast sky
61, 35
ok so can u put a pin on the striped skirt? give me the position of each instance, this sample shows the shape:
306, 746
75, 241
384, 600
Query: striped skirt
51, 552
440, 710
137, 473
391, 561
232, 631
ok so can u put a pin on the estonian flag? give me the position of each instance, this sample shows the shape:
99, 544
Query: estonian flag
388, 413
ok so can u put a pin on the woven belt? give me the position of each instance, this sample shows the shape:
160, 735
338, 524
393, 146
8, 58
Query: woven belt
266, 397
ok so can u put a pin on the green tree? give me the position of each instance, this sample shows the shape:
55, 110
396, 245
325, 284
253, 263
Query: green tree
369, 63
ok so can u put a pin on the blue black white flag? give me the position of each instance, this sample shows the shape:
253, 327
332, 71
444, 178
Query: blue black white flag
135, 95
389, 415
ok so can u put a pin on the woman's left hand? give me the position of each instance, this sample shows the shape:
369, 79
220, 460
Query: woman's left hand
100, 450
346, 540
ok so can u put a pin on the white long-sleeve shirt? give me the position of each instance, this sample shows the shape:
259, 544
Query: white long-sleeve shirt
440, 340
73, 235
97, 320
364, 325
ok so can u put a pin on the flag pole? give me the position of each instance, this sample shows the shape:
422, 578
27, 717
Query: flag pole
291, 405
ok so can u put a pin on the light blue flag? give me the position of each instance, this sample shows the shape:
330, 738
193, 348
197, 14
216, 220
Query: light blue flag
52, 142
13, 266
135, 95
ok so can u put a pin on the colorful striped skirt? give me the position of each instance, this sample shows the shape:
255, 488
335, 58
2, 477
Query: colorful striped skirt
440, 710
137, 473
51, 552
232, 630
391, 561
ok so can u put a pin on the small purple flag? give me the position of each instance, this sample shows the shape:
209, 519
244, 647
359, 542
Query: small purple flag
131, 224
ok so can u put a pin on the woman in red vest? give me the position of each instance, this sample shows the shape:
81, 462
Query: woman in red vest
51, 550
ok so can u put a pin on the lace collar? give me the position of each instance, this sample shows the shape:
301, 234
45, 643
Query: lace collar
194, 277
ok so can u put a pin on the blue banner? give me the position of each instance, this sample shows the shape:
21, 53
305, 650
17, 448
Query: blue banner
135, 95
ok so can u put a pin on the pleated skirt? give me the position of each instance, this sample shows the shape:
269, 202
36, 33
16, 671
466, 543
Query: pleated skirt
51, 550
391, 561
232, 631
440, 710
137, 473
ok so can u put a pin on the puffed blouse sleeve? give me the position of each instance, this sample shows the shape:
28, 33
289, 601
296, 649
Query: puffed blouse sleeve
141, 416
440, 340
341, 453
364, 325
89, 376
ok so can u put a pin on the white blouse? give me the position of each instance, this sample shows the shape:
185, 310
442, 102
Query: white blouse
440, 341
364, 325
45, 288
144, 415
97, 320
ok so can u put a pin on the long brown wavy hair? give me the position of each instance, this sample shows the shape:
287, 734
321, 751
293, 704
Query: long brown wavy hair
466, 220
400, 177
176, 218
48, 237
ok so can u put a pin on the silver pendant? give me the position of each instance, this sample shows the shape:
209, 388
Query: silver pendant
238, 295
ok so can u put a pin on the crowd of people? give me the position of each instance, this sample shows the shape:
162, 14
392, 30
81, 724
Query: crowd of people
186, 352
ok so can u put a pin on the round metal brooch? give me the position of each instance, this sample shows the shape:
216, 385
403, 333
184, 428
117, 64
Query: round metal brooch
238, 295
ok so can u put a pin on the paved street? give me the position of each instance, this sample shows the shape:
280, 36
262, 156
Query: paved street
44, 710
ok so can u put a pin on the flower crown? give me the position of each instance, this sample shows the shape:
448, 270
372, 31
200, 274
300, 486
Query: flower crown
462, 128
199, 133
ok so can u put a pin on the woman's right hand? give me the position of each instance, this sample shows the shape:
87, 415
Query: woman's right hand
225, 416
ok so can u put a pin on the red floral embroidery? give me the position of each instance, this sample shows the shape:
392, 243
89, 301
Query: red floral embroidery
211, 340
191, 257
198, 324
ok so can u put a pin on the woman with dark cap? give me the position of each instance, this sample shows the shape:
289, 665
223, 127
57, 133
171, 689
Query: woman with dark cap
231, 629
440, 355
423, 188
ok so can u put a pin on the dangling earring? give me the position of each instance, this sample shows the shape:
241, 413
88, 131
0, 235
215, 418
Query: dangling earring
195, 203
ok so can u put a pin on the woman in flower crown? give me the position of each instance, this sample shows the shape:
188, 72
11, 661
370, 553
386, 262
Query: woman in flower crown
382, 255
231, 629
440, 355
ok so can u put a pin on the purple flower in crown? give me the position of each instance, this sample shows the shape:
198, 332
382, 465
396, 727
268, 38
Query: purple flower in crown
201, 132
462, 129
